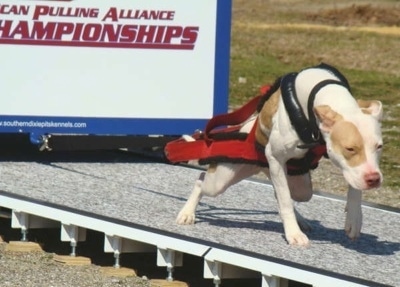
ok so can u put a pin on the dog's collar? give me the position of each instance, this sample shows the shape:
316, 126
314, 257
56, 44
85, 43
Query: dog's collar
307, 129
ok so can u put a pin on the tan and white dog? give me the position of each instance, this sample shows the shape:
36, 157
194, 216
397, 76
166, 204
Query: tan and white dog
350, 129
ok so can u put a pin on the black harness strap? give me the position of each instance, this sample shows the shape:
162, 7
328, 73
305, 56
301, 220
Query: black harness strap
336, 73
316, 133
307, 129
294, 110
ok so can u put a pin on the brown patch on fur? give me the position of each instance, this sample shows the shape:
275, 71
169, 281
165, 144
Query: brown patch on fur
363, 103
366, 106
261, 138
268, 110
347, 140
327, 116
212, 168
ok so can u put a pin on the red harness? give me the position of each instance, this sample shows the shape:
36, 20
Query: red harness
227, 144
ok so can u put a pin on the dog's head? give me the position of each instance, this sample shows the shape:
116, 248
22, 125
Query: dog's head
354, 142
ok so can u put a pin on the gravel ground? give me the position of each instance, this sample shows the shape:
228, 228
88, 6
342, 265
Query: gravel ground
38, 269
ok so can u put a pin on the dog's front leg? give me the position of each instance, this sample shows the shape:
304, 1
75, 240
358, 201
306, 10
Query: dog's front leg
187, 213
277, 170
353, 213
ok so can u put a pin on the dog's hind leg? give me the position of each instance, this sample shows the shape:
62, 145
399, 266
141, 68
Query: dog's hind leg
212, 183
300, 190
300, 187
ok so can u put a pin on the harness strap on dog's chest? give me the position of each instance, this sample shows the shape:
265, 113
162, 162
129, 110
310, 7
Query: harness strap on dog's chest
310, 105
336, 73
307, 128
294, 110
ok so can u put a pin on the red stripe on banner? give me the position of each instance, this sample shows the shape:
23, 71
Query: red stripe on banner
96, 44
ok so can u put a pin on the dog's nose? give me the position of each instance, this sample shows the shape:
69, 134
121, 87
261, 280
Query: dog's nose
372, 179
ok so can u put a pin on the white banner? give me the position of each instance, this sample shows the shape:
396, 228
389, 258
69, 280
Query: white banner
113, 59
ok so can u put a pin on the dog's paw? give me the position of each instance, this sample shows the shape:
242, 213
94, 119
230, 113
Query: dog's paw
297, 239
185, 218
353, 222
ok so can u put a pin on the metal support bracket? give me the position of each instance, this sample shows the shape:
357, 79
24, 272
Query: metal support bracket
26, 221
217, 271
213, 269
274, 281
73, 234
169, 258
119, 245
20, 220
270, 281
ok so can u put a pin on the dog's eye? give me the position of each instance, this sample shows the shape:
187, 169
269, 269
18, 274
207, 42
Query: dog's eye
379, 146
350, 151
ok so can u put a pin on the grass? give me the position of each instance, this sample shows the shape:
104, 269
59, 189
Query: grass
263, 47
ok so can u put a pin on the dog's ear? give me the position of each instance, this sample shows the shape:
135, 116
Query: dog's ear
327, 117
373, 108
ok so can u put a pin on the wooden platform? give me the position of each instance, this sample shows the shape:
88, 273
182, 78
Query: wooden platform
138, 201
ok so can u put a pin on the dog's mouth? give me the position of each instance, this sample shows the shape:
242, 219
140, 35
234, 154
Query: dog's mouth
371, 186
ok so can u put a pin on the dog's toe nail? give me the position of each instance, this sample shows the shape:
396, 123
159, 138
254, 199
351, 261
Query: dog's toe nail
185, 219
298, 240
